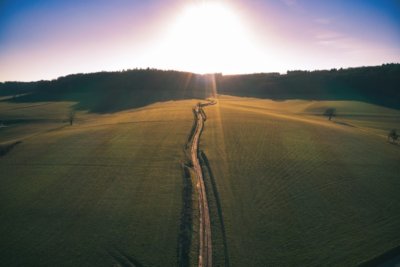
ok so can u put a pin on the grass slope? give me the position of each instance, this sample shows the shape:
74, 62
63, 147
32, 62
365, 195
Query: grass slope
298, 190
105, 191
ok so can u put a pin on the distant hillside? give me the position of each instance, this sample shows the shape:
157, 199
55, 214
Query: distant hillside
378, 85
113, 91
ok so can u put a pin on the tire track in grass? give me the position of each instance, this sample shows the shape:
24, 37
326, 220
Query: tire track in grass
122, 259
212, 191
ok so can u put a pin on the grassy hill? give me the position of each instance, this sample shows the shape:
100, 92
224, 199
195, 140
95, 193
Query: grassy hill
291, 187
376, 85
106, 92
299, 190
105, 191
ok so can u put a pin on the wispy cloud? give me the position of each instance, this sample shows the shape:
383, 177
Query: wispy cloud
323, 21
334, 39
290, 3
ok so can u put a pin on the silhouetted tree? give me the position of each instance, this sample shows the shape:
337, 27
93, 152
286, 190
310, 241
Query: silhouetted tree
393, 136
330, 112
71, 116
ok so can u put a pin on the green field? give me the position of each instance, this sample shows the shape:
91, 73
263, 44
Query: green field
294, 188
105, 191
298, 190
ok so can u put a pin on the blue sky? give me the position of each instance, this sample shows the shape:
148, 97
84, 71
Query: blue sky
50, 38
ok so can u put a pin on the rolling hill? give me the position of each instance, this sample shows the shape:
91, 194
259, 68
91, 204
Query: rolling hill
285, 186
299, 190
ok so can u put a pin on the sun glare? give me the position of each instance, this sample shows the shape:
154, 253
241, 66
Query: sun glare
207, 37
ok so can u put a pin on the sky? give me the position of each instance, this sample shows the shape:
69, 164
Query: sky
45, 39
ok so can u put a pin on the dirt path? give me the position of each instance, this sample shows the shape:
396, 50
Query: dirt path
205, 246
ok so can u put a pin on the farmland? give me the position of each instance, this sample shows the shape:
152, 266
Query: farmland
200, 133
286, 187
105, 191
299, 190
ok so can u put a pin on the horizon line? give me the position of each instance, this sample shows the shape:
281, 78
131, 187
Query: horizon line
202, 74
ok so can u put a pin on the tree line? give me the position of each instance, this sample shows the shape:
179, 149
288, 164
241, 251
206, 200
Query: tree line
114, 91
377, 85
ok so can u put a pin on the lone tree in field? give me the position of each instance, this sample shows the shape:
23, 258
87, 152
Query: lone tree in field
330, 112
71, 116
393, 136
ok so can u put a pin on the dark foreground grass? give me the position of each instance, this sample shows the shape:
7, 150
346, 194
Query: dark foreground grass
103, 192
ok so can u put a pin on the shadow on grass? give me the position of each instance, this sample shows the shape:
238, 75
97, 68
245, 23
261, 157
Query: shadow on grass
344, 123
6, 148
387, 259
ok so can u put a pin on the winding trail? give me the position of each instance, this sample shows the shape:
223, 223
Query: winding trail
205, 244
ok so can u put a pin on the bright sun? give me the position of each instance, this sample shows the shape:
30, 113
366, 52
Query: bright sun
207, 37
